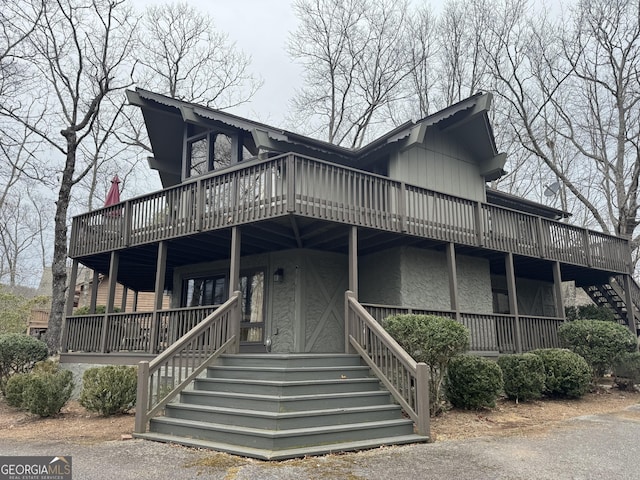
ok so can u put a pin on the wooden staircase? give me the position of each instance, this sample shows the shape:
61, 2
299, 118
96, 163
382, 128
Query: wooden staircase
611, 295
283, 406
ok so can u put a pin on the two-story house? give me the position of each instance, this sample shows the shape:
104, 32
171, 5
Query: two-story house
281, 252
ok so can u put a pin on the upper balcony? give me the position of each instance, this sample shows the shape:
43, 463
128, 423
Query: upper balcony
259, 190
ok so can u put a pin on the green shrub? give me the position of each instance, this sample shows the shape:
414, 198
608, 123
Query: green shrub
109, 390
567, 374
626, 370
15, 388
432, 340
46, 393
473, 382
523, 376
589, 312
599, 343
18, 354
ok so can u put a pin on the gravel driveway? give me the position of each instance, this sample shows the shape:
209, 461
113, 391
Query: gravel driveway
589, 447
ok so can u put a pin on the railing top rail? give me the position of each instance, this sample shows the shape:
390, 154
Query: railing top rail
194, 332
190, 309
223, 171
387, 339
257, 161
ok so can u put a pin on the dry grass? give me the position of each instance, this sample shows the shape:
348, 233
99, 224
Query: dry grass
77, 425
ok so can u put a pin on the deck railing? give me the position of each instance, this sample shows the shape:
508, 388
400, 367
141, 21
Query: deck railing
131, 332
491, 333
262, 189
405, 379
160, 380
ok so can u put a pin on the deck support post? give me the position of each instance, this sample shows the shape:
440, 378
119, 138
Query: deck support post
628, 300
557, 287
94, 292
111, 293
123, 302
234, 281
513, 300
68, 310
353, 261
161, 270
135, 301
453, 279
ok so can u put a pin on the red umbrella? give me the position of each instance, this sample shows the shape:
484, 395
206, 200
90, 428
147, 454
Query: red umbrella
113, 196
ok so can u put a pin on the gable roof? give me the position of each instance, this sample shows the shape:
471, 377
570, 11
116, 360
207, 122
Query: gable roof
466, 122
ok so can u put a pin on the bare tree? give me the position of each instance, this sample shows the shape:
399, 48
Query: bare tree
573, 97
80, 52
184, 56
356, 56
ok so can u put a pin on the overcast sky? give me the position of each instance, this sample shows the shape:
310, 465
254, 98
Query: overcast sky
260, 28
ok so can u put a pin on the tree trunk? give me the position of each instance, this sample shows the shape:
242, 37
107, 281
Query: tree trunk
59, 265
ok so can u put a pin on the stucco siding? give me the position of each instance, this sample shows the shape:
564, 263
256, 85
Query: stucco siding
380, 278
425, 279
474, 285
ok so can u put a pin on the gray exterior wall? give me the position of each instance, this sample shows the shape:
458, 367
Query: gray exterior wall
304, 312
419, 278
535, 297
441, 165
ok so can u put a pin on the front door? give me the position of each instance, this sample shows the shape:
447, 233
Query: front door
252, 287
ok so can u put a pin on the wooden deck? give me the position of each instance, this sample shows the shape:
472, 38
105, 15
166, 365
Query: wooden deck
259, 190
152, 333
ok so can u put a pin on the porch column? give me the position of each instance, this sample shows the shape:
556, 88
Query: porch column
353, 261
71, 290
628, 300
453, 279
513, 300
135, 301
68, 311
557, 286
234, 280
234, 267
161, 269
123, 302
94, 292
111, 293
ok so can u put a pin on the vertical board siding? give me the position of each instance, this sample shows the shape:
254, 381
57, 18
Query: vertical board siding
323, 190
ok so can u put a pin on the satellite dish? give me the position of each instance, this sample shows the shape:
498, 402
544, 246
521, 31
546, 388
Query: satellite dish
552, 189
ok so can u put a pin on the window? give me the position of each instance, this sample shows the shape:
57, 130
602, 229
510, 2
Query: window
252, 323
198, 157
204, 291
208, 151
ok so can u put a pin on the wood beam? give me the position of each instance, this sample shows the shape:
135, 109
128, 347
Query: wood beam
161, 270
71, 290
296, 231
111, 293
95, 283
628, 300
513, 299
353, 261
234, 268
557, 289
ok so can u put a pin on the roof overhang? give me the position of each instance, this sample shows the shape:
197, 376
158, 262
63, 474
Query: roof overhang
466, 123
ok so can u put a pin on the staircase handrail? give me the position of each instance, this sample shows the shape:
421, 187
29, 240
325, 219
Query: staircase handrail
160, 380
406, 379
635, 289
